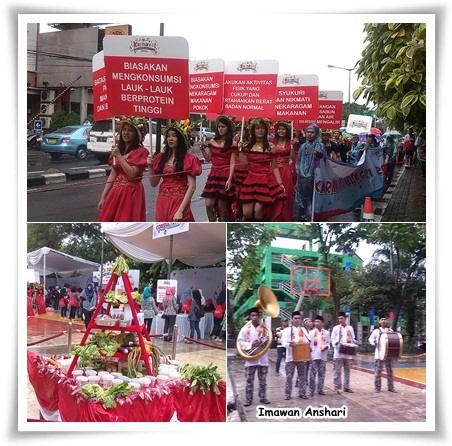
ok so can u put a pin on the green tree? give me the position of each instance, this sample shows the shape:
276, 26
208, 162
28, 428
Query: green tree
404, 248
60, 119
245, 242
393, 72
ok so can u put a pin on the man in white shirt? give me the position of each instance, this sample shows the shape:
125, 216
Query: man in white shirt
291, 336
280, 349
373, 340
250, 336
342, 334
320, 343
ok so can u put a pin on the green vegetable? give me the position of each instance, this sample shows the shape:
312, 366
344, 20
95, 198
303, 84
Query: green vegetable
107, 396
201, 377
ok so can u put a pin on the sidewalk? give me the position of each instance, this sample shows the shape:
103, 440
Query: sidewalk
364, 405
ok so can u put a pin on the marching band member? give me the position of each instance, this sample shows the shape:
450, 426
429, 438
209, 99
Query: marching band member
373, 340
250, 336
291, 336
320, 343
342, 334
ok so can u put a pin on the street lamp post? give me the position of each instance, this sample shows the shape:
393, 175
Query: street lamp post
349, 83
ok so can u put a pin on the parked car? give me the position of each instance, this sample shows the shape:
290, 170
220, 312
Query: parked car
69, 140
206, 133
100, 139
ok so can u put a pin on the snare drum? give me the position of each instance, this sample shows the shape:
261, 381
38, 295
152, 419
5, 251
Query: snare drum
390, 346
301, 352
347, 349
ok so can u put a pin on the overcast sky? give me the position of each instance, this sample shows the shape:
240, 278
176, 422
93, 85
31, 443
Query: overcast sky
301, 43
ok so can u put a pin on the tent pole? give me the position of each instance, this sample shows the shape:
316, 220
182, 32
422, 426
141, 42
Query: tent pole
170, 257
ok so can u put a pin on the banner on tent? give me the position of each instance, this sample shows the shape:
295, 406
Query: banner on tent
165, 229
340, 188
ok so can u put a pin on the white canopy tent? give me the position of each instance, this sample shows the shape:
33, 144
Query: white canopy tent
49, 261
203, 244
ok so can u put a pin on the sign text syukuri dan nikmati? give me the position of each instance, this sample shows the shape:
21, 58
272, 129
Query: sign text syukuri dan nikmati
147, 76
330, 110
340, 187
250, 88
206, 86
297, 97
100, 97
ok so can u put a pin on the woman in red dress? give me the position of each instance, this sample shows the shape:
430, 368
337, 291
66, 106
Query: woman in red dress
219, 190
262, 194
178, 170
284, 155
123, 198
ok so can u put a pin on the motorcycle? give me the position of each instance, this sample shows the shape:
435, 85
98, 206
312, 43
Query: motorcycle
34, 141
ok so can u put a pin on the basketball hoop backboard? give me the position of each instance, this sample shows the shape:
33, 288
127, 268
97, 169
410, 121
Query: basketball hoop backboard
309, 280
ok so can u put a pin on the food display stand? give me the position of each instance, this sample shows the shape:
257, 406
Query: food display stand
62, 397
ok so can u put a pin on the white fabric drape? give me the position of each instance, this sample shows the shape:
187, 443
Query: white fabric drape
203, 244
48, 261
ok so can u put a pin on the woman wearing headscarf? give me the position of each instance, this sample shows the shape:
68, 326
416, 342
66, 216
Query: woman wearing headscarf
148, 307
123, 197
178, 170
304, 166
218, 314
89, 301
170, 309
194, 315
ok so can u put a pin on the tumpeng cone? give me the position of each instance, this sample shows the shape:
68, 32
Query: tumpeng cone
368, 211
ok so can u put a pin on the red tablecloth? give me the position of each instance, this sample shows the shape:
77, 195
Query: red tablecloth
55, 391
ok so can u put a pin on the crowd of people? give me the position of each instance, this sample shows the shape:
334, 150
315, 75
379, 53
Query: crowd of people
74, 304
262, 171
310, 369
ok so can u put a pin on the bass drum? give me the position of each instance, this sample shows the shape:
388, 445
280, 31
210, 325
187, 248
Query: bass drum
390, 346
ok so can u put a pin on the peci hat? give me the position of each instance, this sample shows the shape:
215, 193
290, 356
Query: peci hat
296, 313
342, 313
319, 318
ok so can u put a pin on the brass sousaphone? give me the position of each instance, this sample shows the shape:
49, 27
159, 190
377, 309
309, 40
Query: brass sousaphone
268, 302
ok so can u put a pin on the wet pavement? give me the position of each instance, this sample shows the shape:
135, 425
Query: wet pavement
364, 405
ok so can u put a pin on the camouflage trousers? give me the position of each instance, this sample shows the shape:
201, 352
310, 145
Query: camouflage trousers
250, 372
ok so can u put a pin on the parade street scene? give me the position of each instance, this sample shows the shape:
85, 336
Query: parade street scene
235, 137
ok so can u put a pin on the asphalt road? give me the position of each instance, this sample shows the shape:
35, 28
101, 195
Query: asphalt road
77, 200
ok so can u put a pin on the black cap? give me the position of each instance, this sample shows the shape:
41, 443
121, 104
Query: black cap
318, 318
296, 313
342, 313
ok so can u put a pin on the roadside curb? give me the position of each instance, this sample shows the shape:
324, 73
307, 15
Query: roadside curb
42, 179
35, 179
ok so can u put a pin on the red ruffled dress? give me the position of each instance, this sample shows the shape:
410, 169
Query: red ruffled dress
126, 199
261, 186
173, 188
286, 171
219, 174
